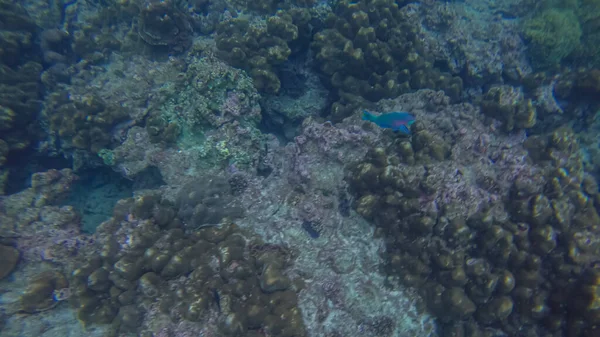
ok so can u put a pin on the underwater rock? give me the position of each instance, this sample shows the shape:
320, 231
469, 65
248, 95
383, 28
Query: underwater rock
206, 202
39, 295
162, 24
509, 105
458, 303
10, 258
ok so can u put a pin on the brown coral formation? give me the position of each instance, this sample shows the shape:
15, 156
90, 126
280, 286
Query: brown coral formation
261, 49
86, 123
146, 256
371, 51
161, 23
20, 87
527, 262
40, 292
509, 105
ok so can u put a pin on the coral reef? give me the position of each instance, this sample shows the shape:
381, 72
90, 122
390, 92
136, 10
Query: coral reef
84, 123
216, 116
149, 265
17, 34
301, 95
34, 225
489, 231
560, 30
305, 184
370, 50
270, 6
161, 23
509, 105
260, 49
568, 97
114, 103
305, 189
33, 221
579, 83
19, 104
20, 89
207, 202
481, 216
471, 39
589, 13
40, 292
56, 47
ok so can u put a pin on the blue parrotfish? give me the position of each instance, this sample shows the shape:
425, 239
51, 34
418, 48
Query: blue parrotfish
397, 121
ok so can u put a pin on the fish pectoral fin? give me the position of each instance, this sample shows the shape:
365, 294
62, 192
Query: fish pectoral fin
404, 129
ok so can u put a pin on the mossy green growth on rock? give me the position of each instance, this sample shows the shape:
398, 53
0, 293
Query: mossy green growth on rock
553, 34
107, 156
369, 50
588, 16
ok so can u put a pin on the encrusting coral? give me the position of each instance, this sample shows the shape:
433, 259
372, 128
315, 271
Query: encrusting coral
553, 34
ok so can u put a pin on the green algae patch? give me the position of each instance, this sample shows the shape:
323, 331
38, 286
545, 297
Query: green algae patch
552, 34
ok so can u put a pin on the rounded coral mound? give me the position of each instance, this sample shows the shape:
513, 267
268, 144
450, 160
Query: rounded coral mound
370, 51
162, 24
552, 34
10, 257
149, 265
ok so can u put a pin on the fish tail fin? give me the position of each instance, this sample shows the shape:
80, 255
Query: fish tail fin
367, 116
